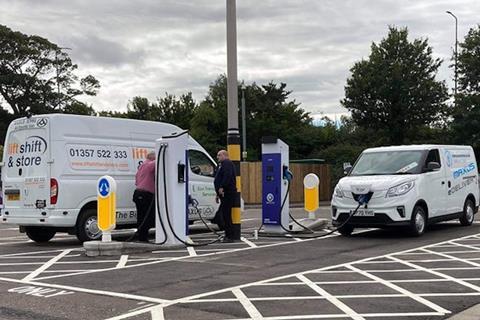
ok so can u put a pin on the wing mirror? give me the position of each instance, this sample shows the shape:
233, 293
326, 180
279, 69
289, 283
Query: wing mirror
433, 166
347, 168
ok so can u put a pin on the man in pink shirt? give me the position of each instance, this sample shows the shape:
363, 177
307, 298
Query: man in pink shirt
144, 197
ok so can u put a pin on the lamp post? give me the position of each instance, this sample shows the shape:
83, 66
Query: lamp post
456, 51
244, 125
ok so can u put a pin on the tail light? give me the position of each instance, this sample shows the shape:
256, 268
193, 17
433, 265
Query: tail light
53, 191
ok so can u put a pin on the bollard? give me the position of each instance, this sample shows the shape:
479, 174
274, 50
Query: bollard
311, 194
106, 206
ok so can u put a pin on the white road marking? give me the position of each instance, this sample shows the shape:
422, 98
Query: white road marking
191, 252
122, 262
84, 290
248, 242
157, 313
339, 304
403, 291
46, 265
247, 305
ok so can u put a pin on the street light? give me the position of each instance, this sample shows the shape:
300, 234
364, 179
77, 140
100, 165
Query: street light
244, 124
456, 51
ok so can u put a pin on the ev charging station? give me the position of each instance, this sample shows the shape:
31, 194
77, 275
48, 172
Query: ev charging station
275, 182
171, 217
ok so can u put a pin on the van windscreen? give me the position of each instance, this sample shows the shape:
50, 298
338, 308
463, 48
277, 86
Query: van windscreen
388, 163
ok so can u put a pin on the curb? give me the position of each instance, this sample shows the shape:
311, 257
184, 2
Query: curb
471, 313
116, 248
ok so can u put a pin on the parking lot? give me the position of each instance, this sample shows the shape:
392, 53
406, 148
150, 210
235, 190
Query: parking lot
374, 274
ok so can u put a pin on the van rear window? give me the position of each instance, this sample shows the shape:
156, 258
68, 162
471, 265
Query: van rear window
26, 153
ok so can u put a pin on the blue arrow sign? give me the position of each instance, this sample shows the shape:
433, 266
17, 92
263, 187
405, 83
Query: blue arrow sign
103, 187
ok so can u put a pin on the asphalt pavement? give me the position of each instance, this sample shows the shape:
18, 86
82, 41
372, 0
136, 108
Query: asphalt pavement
375, 274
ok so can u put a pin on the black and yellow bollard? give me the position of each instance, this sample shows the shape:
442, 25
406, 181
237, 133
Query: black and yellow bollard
233, 148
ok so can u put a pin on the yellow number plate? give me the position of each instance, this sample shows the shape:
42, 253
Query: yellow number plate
13, 197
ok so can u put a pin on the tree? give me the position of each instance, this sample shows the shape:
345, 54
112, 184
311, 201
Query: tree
179, 111
395, 88
36, 76
78, 107
269, 113
466, 116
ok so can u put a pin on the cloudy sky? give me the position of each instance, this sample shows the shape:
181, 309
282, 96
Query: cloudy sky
149, 47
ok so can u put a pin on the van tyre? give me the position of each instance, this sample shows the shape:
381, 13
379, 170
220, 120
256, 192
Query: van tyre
87, 226
468, 215
40, 234
419, 221
346, 230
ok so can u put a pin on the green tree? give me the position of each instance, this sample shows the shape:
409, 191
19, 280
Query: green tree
269, 113
466, 117
395, 88
80, 108
36, 76
177, 111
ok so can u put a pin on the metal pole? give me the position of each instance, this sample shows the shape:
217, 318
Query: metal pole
233, 134
456, 52
244, 126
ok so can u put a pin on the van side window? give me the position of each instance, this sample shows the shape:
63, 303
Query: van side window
433, 156
200, 164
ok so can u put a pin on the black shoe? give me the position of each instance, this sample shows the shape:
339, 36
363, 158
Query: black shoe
227, 240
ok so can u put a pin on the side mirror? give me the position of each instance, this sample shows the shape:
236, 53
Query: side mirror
433, 166
347, 168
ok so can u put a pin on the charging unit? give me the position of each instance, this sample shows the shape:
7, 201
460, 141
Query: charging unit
275, 175
171, 219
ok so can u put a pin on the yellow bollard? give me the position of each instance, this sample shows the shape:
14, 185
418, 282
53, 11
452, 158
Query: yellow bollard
311, 194
106, 206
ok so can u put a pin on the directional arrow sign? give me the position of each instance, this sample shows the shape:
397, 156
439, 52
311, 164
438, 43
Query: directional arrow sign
103, 187
106, 205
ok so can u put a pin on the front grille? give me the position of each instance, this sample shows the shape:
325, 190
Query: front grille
366, 197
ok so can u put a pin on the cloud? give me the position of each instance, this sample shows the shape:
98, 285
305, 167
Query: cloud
149, 47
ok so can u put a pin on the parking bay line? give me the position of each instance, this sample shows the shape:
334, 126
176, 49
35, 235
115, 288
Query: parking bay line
46, 265
327, 269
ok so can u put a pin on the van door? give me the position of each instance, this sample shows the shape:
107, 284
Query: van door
201, 188
27, 171
435, 187
461, 173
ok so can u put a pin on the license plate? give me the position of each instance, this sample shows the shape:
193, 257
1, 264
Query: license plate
364, 213
13, 197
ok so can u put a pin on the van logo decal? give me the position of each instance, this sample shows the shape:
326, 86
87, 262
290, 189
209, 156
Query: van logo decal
449, 157
28, 153
42, 122
463, 171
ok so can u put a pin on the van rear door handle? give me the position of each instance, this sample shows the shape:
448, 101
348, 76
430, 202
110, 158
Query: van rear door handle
449, 184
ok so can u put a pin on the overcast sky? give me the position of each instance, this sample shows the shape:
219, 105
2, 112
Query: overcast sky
149, 47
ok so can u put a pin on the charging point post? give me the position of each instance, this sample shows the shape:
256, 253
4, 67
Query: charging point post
106, 206
171, 189
311, 195
275, 175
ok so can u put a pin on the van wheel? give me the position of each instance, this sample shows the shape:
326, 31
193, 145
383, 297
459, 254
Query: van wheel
346, 230
87, 226
419, 221
40, 234
468, 215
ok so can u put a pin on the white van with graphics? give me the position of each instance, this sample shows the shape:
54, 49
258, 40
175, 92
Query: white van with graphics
51, 164
408, 186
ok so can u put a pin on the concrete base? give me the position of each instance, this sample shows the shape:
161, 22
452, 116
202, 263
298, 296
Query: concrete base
469, 314
312, 224
116, 248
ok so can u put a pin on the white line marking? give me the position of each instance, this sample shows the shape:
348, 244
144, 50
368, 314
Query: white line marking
439, 274
407, 293
84, 290
248, 242
157, 313
339, 304
247, 305
123, 261
46, 265
191, 252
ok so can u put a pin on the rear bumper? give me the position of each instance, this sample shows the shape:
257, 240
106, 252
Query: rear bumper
35, 217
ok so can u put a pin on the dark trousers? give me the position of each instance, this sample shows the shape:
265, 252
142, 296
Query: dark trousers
145, 204
226, 205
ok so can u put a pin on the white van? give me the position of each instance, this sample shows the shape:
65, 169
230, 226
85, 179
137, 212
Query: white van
51, 164
408, 186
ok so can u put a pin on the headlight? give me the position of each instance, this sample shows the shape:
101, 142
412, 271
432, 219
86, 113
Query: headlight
339, 193
400, 189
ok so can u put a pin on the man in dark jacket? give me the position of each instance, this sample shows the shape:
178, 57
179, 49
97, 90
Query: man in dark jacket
225, 187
